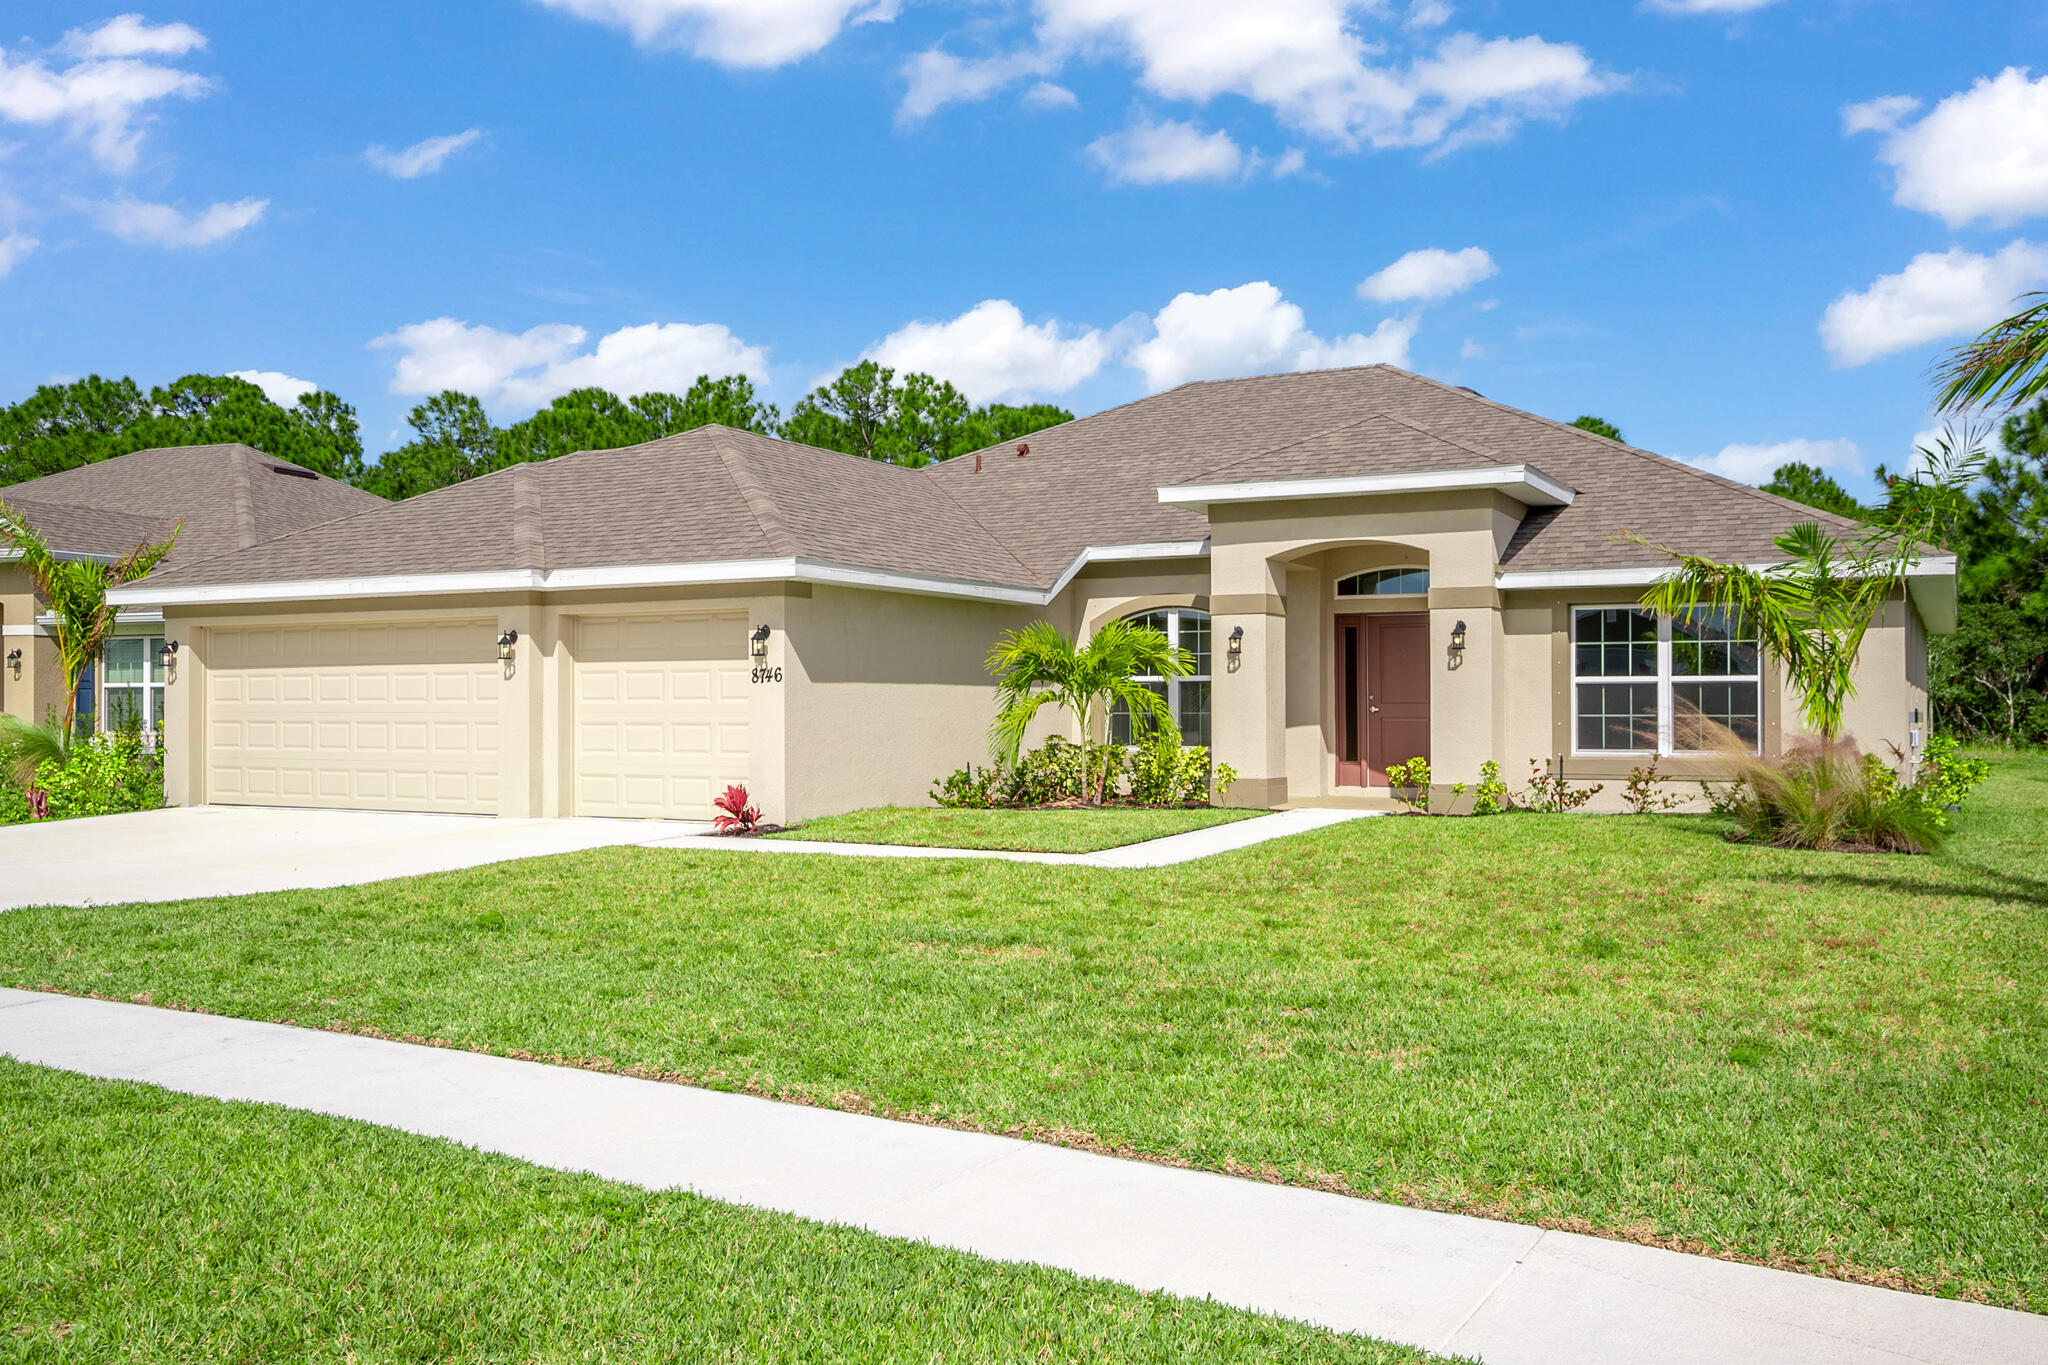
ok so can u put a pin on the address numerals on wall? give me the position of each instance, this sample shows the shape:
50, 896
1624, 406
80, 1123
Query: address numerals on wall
767, 675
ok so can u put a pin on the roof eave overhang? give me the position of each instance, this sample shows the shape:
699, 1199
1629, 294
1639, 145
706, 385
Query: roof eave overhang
791, 569
1524, 483
1931, 583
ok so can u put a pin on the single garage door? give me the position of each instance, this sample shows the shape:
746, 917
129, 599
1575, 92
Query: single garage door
368, 717
661, 713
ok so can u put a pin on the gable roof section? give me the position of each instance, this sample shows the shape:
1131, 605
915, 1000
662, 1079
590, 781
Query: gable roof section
711, 496
228, 496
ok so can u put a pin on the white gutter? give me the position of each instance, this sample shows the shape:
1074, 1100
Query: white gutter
640, 576
1524, 483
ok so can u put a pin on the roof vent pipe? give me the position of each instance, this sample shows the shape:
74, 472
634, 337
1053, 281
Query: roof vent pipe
1023, 449
977, 462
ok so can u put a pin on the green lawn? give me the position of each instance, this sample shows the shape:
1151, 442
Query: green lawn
1031, 831
136, 1224
1621, 1024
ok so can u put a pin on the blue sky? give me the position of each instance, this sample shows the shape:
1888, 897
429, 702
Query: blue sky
1741, 229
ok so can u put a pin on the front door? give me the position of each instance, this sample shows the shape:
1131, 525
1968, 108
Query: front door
1382, 694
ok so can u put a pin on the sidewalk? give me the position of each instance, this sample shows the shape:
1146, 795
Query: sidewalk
1162, 852
1507, 1294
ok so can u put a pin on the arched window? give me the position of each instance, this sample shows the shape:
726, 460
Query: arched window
1385, 583
1188, 698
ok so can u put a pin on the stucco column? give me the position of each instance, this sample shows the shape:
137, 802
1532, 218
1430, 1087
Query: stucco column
520, 699
1465, 712
1249, 692
185, 716
770, 705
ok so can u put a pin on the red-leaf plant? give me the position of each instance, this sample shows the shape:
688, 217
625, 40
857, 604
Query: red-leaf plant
735, 815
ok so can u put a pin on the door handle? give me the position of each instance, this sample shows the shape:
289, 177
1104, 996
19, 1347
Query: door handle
1372, 708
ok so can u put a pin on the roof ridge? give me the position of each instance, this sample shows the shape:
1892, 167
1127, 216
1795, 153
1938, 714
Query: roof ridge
1662, 461
985, 528
760, 503
1287, 445
1427, 430
529, 539
242, 499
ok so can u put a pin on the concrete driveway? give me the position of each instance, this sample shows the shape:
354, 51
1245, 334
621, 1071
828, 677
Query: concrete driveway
192, 851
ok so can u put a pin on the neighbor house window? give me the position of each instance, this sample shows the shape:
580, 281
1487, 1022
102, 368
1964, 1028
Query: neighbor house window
1385, 583
134, 685
1188, 698
1645, 684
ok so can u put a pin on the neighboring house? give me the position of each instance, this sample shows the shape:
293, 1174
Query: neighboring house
229, 498
1367, 565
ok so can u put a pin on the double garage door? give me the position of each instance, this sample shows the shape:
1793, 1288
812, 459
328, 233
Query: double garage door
406, 717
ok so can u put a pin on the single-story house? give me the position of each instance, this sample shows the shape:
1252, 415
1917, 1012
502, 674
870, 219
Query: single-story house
228, 497
1367, 565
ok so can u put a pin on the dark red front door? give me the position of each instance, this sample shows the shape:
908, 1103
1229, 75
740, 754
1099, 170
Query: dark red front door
1396, 692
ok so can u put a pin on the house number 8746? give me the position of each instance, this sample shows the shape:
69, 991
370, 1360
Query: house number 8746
767, 675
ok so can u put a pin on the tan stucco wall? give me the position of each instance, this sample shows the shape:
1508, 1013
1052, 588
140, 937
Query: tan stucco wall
40, 683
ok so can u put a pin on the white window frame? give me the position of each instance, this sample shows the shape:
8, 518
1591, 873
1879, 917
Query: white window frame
1665, 680
154, 678
1173, 617
1337, 588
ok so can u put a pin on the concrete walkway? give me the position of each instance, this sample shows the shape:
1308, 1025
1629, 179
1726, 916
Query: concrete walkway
1507, 1294
1174, 848
190, 851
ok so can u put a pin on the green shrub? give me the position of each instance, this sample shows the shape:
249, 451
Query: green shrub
969, 788
1549, 795
1640, 793
1164, 772
104, 774
1945, 777
1490, 795
1411, 778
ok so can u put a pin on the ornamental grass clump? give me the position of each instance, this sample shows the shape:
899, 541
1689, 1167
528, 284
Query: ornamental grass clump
1826, 795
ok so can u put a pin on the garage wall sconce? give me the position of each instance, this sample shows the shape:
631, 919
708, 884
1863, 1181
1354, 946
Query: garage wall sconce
757, 643
14, 662
1236, 646
505, 643
167, 653
1458, 638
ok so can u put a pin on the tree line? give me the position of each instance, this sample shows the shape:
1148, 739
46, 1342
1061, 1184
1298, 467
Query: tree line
868, 410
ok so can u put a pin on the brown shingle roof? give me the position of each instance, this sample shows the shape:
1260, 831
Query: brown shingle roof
228, 496
711, 494
720, 494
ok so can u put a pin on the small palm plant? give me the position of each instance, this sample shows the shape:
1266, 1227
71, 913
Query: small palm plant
1038, 667
75, 590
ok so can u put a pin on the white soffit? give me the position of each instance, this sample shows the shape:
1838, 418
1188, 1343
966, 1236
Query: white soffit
1524, 483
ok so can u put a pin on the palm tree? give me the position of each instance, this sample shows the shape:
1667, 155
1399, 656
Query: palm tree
1038, 666
1812, 611
75, 590
2007, 364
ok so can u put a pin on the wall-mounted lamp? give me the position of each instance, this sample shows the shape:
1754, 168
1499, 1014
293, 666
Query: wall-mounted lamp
14, 662
167, 652
757, 643
1236, 645
1458, 638
505, 643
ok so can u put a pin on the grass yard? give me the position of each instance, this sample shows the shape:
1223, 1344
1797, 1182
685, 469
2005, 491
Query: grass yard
1029, 831
1629, 1025
136, 1224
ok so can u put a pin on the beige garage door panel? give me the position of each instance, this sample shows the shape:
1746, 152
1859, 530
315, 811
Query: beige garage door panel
661, 713
372, 717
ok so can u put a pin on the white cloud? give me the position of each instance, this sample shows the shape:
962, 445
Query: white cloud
13, 247
1880, 115
1148, 153
1939, 294
280, 388
745, 33
130, 35
1308, 62
422, 158
526, 369
1252, 329
102, 96
989, 352
162, 225
1428, 14
1754, 464
1706, 6
1431, 273
936, 78
1982, 153
1471, 350
1046, 95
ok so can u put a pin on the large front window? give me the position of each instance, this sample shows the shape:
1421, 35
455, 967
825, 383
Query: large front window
134, 684
1188, 698
1645, 684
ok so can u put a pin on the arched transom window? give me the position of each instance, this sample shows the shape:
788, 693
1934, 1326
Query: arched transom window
1188, 698
1384, 583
